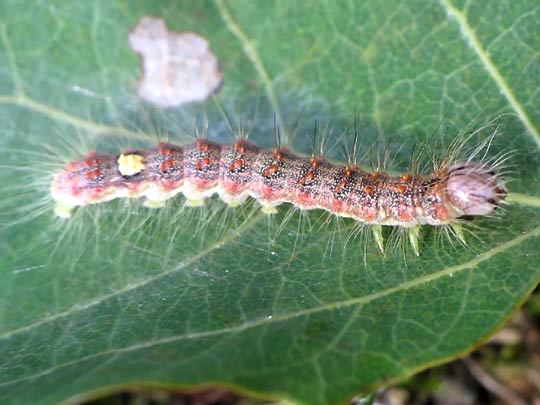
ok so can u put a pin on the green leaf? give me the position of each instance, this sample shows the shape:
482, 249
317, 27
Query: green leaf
289, 307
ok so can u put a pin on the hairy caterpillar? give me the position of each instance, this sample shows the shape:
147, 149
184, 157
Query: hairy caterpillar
457, 190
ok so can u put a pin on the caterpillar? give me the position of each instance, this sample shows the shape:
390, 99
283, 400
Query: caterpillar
457, 190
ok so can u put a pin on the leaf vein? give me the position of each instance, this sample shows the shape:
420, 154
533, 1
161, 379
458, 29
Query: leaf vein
474, 42
78, 122
17, 82
252, 54
288, 316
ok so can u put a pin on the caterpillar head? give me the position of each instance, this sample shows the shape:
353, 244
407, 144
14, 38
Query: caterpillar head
474, 188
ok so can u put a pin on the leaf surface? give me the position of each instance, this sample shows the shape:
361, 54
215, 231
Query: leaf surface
290, 306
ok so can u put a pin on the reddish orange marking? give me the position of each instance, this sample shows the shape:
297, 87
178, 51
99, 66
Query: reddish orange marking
72, 166
375, 175
343, 183
239, 147
96, 192
207, 161
348, 172
406, 177
267, 173
405, 216
237, 164
93, 174
441, 213
169, 184
369, 190
337, 190
164, 149
275, 168
91, 162
166, 165
203, 145
308, 177
400, 188
314, 164
198, 165
278, 155
370, 214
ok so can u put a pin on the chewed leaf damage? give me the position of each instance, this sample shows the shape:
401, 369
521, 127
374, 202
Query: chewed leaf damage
178, 68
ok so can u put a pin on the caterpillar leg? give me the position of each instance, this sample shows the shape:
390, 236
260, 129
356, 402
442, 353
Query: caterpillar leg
457, 229
154, 203
376, 230
414, 232
269, 209
63, 210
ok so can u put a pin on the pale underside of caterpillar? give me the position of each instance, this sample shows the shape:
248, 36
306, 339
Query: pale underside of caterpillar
461, 189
